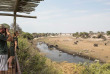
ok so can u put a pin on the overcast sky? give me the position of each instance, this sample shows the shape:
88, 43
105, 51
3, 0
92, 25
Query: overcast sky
66, 16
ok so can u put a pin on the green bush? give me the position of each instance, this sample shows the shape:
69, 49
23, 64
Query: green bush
108, 32
27, 35
76, 34
96, 68
32, 64
101, 36
81, 34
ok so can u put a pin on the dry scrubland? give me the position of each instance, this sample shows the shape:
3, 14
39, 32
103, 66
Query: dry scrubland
84, 47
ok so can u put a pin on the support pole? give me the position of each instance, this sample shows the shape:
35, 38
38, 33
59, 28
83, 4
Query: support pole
15, 11
14, 25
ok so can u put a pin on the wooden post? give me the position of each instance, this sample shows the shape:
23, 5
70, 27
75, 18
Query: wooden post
15, 11
14, 22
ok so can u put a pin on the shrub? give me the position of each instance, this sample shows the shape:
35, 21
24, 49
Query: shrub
94, 37
96, 68
32, 64
76, 34
27, 35
84, 35
108, 32
101, 36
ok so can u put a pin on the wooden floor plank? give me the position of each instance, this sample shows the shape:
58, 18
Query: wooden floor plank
11, 71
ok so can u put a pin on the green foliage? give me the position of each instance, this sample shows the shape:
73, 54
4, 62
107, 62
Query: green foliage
23, 43
84, 34
94, 37
27, 35
37, 64
51, 70
32, 64
76, 34
101, 36
108, 32
23, 53
91, 32
18, 28
96, 68
81, 34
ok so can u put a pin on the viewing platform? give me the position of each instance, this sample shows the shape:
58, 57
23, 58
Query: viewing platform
17, 6
15, 67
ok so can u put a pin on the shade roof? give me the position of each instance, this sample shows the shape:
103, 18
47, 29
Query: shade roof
23, 6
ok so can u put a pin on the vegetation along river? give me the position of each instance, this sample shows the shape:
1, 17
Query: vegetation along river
55, 55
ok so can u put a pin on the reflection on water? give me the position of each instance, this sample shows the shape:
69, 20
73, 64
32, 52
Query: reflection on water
59, 56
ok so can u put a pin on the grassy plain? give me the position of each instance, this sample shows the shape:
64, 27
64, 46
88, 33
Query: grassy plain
85, 47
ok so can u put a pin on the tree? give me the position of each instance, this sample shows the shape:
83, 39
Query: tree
27, 35
91, 32
84, 35
108, 32
76, 34
18, 28
101, 36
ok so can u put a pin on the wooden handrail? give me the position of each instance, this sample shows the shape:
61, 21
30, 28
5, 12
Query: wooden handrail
17, 65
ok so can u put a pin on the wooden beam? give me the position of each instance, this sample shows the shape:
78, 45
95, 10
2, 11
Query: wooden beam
5, 14
26, 16
15, 11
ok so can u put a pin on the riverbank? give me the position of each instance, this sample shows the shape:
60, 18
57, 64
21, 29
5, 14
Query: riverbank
62, 67
84, 47
71, 68
56, 55
31, 61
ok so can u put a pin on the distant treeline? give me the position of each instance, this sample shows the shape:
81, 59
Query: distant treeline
44, 34
91, 34
31, 36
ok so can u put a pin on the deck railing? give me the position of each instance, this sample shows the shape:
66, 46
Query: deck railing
15, 67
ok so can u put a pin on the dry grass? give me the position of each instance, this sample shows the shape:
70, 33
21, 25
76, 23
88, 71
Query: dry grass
65, 68
84, 46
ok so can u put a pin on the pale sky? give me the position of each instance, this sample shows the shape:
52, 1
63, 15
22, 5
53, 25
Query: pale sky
66, 16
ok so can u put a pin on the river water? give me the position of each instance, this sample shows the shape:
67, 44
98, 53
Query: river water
59, 56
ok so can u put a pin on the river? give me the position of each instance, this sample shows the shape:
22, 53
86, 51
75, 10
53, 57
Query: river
55, 55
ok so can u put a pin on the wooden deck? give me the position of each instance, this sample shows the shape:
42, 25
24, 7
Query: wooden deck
16, 67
